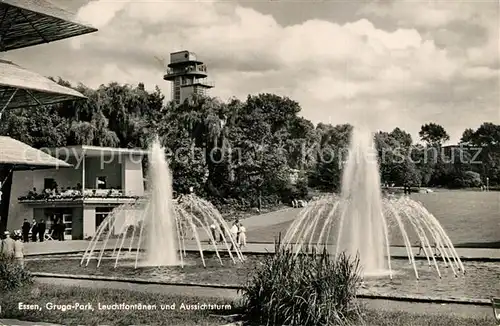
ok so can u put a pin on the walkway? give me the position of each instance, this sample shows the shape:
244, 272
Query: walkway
253, 224
79, 246
15, 322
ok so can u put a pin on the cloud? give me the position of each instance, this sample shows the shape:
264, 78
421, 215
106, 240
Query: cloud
393, 64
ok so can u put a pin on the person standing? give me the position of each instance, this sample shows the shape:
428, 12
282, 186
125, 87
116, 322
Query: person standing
61, 229
222, 233
55, 228
26, 230
235, 230
213, 228
437, 252
421, 247
19, 251
7, 246
34, 230
41, 230
243, 236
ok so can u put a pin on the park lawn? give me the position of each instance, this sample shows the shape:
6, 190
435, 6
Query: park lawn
470, 218
396, 318
41, 294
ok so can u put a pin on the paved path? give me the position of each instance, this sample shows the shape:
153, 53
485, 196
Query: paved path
15, 322
253, 224
76, 246
203, 292
258, 221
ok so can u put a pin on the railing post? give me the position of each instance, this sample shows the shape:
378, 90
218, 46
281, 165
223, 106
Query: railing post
83, 175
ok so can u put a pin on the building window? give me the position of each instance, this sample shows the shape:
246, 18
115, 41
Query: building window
101, 183
100, 214
48, 183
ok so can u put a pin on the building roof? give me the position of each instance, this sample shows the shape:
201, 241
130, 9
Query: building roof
31, 22
94, 151
17, 155
22, 88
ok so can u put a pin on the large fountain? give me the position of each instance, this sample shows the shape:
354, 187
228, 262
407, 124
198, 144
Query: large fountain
365, 220
158, 230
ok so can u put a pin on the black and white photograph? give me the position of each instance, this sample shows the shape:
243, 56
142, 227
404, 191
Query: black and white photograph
250, 162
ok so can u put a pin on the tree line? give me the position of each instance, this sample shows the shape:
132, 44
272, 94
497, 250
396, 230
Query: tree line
244, 151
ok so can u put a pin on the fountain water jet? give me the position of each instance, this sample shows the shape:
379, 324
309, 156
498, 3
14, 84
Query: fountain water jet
363, 218
162, 229
363, 229
159, 225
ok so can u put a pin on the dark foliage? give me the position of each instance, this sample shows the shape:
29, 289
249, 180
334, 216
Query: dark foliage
12, 275
243, 152
304, 289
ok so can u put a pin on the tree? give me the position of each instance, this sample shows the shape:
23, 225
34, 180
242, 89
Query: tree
395, 158
245, 150
14, 123
402, 137
433, 134
467, 136
329, 154
486, 139
408, 174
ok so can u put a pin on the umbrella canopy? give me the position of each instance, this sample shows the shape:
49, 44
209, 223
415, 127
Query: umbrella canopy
16, 155
26, 23
21, 88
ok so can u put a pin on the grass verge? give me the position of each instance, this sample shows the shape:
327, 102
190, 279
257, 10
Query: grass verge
189, 310
41, 294
396, 318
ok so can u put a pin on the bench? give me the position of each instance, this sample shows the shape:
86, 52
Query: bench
495, 302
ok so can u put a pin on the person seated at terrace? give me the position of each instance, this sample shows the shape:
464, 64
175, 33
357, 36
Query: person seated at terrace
114, 193
69, 192
32, 193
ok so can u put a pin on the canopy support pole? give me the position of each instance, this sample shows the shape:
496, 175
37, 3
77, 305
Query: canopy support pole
8, 102
33, 97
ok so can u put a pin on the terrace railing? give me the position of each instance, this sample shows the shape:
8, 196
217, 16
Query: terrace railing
78, 195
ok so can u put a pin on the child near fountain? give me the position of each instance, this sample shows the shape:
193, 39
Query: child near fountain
222, 233
19, 250
213, 228
421, 247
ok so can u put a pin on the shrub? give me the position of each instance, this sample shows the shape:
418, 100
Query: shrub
304, 289
472, 179
12, 275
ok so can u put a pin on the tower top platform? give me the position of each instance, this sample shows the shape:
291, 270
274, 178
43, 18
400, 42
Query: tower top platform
182, 58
